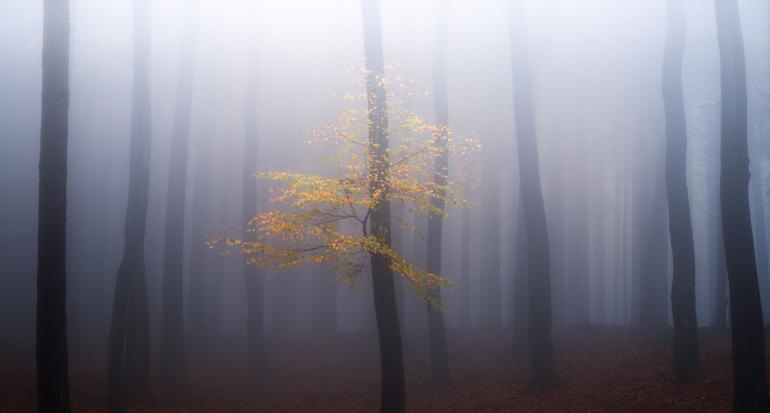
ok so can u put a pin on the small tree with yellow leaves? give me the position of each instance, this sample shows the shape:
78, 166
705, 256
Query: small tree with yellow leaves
321, 219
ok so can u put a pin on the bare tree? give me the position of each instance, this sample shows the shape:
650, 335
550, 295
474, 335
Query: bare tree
128, 355
439, 357
542, 368
686, 348
748, 336
173, 368
51, 338
253, 277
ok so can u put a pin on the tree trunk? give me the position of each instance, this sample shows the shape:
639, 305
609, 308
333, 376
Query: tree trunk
439, 357
599, 202
686, 348
465, 266
542, 368
520, 290
198, 273
490, 308
392, 391
128, 354
253, 277
51, 338
172, 363
748, 338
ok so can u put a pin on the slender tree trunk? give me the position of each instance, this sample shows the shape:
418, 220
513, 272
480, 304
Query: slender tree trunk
392, 391
198, 273
520, 290
600, 290
748, 336
686, 348
465, 266
173, 351
490, 308
51, 338
129, 345
542, 368
556, 248
439, 356
253, 277
580, 291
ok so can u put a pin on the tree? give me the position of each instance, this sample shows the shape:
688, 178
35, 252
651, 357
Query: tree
748, 337
686, 348
520, 290
172, 367
439, 356
128, 354
542, 369
465, 266
392, 390
51, 338
253, 278
489, 279
335, 220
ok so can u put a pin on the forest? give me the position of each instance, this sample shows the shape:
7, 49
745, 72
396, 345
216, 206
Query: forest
384, 206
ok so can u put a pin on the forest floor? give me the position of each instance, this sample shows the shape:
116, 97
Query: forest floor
602, 369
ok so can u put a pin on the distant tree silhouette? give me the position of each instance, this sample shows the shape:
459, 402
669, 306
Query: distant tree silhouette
439, 355
173, 350
686, 348
128, 354
542, 368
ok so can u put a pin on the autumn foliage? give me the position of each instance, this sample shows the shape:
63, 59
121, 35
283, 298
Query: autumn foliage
319, 219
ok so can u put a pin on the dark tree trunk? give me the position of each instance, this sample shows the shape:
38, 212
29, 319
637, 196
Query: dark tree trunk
686, 348
172, 364
439, 357
51, 338
748, 338
253, 277
542, 368
128, 355
392, 391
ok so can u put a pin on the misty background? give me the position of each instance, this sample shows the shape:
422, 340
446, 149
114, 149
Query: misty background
596, 68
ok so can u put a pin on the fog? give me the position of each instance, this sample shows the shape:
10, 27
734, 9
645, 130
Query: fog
263, 75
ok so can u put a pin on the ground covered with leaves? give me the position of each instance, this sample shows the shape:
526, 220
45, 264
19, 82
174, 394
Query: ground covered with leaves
601, 369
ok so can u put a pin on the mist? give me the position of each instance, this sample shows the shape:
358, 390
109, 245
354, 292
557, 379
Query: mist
365, 205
